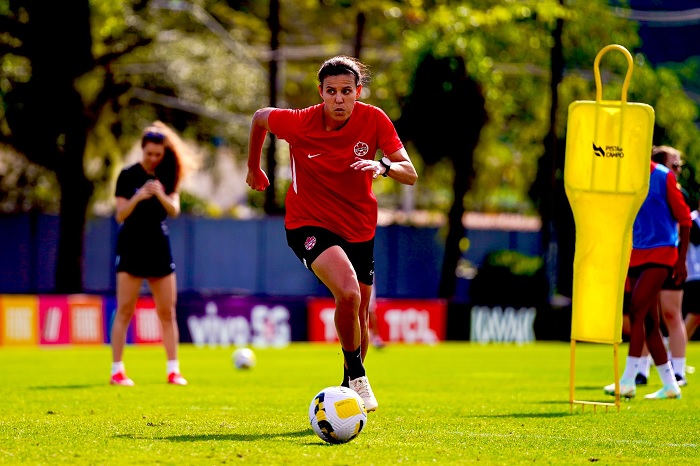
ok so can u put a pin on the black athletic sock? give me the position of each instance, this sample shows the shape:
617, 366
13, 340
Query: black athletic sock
354, 361
346, 378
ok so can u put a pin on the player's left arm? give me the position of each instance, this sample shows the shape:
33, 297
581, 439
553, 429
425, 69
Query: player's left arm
681, 213
402, 169
398, 162
170, 202
680, 270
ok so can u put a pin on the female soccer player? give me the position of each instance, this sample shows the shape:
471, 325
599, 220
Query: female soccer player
659, 250
147, 193
331, 212
671, 296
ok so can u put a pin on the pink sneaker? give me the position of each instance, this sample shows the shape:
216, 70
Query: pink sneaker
176, 378
120, 378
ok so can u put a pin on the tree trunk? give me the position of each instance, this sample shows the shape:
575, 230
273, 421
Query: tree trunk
553, 196
456, 231
76, 191
271, 206
360, 21
53, 126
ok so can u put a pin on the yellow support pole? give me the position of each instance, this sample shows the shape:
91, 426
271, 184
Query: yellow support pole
572, 383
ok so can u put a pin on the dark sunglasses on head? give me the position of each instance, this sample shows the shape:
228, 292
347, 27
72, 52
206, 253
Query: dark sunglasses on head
153, 137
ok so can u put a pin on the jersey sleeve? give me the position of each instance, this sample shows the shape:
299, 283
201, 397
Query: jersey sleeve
284, 123
676, 202
123, 186
389, 141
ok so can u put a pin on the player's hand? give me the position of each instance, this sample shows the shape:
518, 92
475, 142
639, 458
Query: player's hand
146, 191
680, 271
257, 179
368, 165
157, 188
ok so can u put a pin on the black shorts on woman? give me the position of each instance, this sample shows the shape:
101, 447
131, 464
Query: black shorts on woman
309, 242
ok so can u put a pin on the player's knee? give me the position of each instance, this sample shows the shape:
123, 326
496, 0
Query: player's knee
125, 311
348, 298
166, 313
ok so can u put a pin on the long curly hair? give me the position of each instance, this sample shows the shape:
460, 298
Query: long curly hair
178, 161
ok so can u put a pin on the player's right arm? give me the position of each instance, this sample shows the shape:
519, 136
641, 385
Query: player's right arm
256, 178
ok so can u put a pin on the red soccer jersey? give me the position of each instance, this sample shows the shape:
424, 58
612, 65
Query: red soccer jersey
325, 191
665, 255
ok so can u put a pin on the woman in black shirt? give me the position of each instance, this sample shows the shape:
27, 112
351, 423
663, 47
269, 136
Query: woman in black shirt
147, 193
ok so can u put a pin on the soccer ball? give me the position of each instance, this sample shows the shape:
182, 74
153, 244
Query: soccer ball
337, 414
243, 358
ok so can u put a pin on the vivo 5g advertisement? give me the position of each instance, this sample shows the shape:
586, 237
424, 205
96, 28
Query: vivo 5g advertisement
208, 321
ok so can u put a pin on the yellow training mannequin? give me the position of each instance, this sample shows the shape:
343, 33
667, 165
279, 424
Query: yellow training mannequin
606, 177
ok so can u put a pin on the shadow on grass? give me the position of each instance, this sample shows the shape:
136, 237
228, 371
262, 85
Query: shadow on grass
219, 437
526, 415
552, 402
66, 387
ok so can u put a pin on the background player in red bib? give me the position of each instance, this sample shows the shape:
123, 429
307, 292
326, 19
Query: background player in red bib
660, 239
331, 211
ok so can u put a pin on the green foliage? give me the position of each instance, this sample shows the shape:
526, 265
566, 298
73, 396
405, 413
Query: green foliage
171, 63
191, 204
25, 186
506, 46
503, 404
490, 37
205, 85
516, 262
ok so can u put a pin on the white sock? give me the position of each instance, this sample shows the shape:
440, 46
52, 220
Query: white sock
173, 366
631, 368
668, 349
666, 373
117, 367
644, 366
678, 366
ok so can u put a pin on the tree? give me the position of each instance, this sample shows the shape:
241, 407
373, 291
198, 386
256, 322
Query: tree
45, 115
273, 20
76, 103
76, 113
508, 49
455, 105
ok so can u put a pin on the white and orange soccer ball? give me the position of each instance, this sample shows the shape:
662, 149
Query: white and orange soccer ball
243, 358
337, 414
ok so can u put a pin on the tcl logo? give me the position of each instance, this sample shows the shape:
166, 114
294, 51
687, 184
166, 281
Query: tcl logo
410, 326
406, 325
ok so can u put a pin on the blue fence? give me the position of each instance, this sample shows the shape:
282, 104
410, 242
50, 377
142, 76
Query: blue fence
248, 257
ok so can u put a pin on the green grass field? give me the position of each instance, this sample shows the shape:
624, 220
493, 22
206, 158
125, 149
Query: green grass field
454, 403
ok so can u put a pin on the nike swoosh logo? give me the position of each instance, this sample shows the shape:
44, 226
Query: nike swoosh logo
314, 155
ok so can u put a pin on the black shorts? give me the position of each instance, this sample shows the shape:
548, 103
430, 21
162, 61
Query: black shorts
148, 256
635, 272
670, 284
309, 242
691, 297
